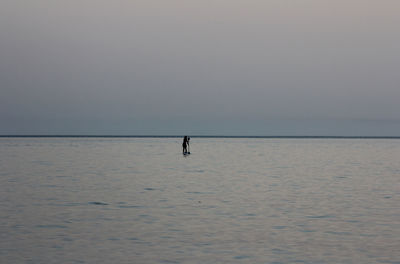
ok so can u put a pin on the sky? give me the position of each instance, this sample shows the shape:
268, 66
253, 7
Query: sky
210, 67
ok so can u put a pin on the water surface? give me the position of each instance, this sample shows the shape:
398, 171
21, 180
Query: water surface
139, 200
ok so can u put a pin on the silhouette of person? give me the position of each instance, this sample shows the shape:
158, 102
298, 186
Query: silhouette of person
185, 144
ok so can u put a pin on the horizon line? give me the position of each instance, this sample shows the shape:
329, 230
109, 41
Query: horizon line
196, 136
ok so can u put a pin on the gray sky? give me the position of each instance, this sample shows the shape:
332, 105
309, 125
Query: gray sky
201, 67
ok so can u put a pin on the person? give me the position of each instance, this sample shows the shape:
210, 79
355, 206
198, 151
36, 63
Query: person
185, 144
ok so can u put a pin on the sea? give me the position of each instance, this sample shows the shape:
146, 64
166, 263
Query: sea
232, 200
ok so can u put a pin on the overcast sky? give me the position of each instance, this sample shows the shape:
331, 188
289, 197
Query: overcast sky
263, 67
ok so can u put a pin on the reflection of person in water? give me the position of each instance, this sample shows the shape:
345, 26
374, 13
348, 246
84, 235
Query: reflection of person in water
185, 144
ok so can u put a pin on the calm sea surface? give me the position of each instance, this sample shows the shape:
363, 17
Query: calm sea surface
139, 200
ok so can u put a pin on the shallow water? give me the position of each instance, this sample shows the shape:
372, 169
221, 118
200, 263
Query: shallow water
139, 200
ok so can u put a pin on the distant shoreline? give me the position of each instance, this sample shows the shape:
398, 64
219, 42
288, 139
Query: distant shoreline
198, 136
